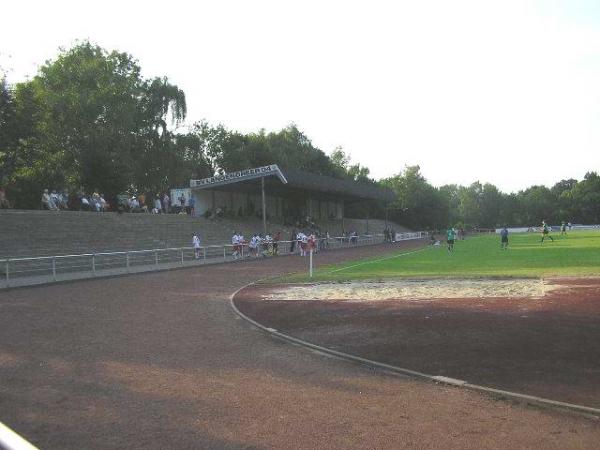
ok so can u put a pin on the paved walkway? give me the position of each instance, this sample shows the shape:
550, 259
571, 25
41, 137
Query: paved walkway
159, 360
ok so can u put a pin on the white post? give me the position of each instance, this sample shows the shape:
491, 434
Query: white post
94, 264
54, 268
224, 254
204, 254
182, 257
310, 270
7, 277
127, 260
156, 257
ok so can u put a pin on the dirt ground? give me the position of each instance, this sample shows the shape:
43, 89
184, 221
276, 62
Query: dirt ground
160, 361
547, 346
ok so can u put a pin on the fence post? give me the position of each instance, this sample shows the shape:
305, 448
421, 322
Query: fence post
94, 264
204, 254
224, 255
156, 257
127, 260
182, 256
7, 277
310, 270
54, 268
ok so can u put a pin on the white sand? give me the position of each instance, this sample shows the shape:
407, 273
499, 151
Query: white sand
413, 290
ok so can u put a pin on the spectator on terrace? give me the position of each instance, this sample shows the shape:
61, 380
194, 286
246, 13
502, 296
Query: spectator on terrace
166, 203
95, 201
192, 206
47, 202
85, 203
63, 200
103, 203
4, 204
142, 203
182, 202
134, 204
55, 199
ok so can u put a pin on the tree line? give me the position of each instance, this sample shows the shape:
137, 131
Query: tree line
89, 121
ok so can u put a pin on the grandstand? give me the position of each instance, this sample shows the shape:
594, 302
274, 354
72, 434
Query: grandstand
44, 233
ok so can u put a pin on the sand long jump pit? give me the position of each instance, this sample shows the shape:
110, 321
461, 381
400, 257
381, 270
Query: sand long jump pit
537, 337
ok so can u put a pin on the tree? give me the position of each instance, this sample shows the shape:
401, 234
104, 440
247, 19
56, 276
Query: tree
417, 203
586, 199
96, 124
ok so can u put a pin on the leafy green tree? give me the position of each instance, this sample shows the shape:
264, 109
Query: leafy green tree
95, 124
417, 203
586, 199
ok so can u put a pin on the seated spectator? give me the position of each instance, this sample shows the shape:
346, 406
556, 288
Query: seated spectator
85, 203
95, 202
103, 204
47, 202
134, 205
63, 200
142, 201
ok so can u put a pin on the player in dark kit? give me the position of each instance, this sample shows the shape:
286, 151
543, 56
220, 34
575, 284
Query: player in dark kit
504, 238
545, 232
563, 228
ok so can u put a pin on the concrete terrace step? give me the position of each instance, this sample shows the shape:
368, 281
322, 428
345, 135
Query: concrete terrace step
45, 233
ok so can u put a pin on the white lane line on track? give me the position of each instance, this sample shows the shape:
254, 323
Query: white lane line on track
378, 260
12, 441
593, 413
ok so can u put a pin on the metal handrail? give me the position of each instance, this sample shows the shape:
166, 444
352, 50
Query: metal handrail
179, 255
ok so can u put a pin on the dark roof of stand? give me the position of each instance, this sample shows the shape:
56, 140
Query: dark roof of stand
322, 183
285, 178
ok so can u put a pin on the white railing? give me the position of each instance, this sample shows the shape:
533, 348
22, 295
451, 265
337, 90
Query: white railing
21, 271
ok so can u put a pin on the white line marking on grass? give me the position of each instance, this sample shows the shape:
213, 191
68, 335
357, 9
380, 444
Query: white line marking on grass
378, 260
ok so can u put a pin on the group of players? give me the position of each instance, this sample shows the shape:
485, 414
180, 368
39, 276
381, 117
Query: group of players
268, 245
545, 230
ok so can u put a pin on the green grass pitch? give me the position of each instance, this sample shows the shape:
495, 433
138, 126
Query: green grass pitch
577, 254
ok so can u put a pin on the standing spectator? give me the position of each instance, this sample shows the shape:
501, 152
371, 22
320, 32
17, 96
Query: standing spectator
182, 202
192, 206
196, 244
235, 241
166, 203
157, 205
254, 243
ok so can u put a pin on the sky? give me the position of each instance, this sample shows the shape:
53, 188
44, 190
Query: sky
506, 92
